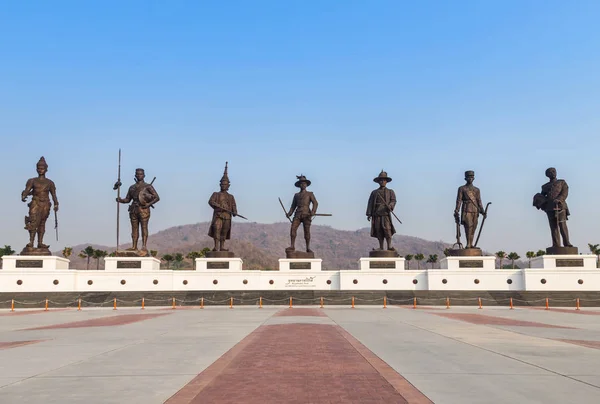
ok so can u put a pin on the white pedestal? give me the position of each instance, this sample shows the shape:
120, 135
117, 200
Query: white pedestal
472, 263
300, 264
219, 264
37, 262
381, 264
123, 264
587, 261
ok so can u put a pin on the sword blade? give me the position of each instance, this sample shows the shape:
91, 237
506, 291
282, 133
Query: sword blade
482, 223
284, 211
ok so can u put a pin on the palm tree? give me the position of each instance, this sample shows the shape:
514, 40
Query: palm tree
168, 258
530, 255
501, 255
204, 251
97, 255
432, 259
88, 253
153, 253
595, 249
540, 253
419, 257
446, 252
67, 251
178, 260
513, 256
408, 258
193, 255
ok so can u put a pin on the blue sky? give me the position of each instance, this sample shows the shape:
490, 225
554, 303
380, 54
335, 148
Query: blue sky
336, 90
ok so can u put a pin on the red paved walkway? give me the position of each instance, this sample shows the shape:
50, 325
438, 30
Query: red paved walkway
103, 321
492, 320
299, 363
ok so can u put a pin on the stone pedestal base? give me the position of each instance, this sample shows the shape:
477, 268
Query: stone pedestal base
220, 254
132, 253
29, 262
466, 252
383, 254
121, 264
306, 264
35, 251
295, 254
576, 261
219, 264
562, 251
381, 264
468, 262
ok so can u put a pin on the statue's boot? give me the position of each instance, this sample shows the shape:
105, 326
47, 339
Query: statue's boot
41, 245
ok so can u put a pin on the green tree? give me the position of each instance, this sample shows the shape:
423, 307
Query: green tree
88, 253
540, 253
595, 249
6, 250
408, 258
178, 260
97, 255
67, 251
501, 255
530, 255
446, 252
168, 258
513, 256
419, 257
153, 253
432, 259
193, 255
204, 251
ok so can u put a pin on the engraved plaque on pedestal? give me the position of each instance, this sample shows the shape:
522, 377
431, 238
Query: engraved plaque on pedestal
129, 264
217, 265
29, 264
382, 264
300, 265
470, 263
561, 263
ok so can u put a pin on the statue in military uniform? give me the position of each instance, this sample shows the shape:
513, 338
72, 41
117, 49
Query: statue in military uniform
380, 206
224, 207
40, 189
143, 196
553, 201
303, 214
468, 203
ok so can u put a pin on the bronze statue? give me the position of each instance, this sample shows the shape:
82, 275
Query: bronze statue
144, 196
382, 202
224, 207
40, 188
468, 201
553, 201
303, 213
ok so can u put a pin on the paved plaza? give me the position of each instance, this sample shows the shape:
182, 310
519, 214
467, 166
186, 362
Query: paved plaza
300, 355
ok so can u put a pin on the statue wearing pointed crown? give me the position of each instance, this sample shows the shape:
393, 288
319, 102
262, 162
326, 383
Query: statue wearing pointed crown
40, 189
224, 207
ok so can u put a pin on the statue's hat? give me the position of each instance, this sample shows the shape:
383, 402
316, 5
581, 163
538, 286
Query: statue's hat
469, 173
302, 178
225, 178
382, 176
42, 161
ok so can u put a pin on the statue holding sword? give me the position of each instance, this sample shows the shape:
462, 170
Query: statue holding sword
466, 212
304, 208
380, 210
225, 208
142, 196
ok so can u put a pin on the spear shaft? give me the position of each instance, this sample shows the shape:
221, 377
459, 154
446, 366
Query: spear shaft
118, 196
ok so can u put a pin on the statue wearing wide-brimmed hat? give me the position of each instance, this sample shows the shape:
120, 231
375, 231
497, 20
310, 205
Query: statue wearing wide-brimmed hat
468, 203
382, 202
303, 213
40, 188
